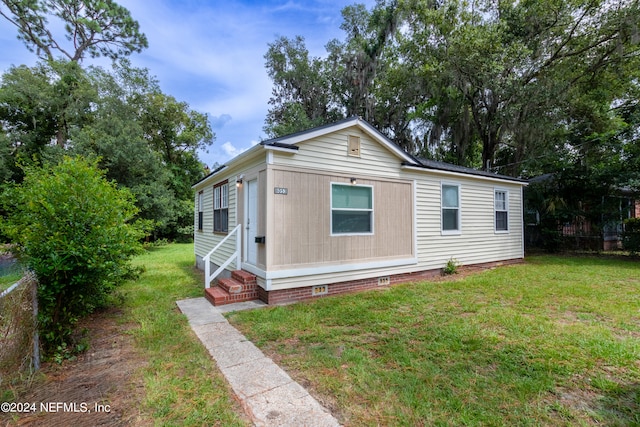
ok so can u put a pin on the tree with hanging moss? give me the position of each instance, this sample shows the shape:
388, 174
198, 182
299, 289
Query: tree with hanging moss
76, 231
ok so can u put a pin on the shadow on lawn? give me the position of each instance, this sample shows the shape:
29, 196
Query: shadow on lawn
621, 405
581, 258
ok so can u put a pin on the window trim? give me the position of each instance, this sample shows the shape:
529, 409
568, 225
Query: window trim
200, 210
495, 210
457, 231
331, 209
223, 205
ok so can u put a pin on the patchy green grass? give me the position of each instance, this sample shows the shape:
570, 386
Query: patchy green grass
182, 383
555, 341
7, 280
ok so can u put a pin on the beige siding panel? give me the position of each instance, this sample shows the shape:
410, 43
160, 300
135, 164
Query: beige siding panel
262, 217
301, 234
329, 153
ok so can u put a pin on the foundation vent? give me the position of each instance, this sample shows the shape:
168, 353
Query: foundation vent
384, 281
319, 290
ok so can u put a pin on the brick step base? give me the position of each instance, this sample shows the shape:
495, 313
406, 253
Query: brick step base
241, 286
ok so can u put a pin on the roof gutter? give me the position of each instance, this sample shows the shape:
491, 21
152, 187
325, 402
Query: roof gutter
442, 171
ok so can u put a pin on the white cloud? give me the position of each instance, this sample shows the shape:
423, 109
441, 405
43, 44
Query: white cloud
232, 151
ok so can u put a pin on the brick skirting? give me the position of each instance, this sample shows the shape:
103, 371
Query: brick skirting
299, 294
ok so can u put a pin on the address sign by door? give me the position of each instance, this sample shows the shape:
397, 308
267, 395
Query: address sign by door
281, 190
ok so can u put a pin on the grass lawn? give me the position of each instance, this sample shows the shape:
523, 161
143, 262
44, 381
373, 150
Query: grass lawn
182, 383
9, 279
554, 341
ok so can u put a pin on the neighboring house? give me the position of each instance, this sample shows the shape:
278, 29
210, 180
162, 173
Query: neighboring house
341, 208
598, 225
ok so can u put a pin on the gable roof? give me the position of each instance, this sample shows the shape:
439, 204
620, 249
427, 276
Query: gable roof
374, 133
289, 143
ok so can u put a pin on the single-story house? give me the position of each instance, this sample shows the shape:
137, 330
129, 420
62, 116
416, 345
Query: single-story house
341, 208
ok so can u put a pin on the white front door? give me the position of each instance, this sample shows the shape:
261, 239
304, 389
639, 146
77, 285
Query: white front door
251, 222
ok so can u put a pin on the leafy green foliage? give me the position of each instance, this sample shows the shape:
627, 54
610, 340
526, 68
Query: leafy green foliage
451, 267
75, 230
631, 235
300, 96
146, 141
517, 87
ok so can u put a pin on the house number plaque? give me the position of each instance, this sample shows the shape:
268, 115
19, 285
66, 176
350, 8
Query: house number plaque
281, 190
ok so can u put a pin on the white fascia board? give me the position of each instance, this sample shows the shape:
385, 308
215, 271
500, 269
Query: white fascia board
280, 149
338, 268
251, 152
294, 139
203, 182
463, 175
328, 269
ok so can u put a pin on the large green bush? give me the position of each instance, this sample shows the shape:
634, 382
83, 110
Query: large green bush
631, 235
75, 230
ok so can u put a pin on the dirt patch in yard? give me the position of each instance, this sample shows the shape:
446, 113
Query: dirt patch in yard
102, 387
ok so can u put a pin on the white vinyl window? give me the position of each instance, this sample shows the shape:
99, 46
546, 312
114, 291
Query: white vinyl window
501, 206
221, 207
351, 209
450, 209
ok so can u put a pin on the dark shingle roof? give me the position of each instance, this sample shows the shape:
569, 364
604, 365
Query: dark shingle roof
416, 162
432, 164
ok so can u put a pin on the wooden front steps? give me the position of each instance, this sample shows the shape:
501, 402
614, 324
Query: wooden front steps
241, 286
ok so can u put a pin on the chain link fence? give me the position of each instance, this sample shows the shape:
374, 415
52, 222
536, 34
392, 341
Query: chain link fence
19, 350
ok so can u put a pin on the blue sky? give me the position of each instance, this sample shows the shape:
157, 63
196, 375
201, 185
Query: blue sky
210, 54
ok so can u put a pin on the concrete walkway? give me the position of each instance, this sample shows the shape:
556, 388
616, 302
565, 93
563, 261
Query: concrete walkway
270, 397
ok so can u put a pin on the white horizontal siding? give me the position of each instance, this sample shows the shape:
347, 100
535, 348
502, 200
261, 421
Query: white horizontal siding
329, 153
478, 242
206, 239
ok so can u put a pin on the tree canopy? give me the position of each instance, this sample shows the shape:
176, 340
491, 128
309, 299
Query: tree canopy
146, 140
92, 27
518, 87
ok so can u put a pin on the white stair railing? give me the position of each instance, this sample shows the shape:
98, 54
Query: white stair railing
208, 278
